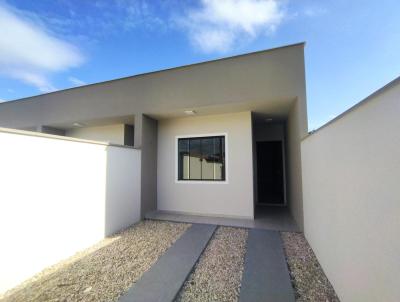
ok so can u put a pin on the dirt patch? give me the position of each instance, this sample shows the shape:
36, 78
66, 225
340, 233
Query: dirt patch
308, 278
104, 271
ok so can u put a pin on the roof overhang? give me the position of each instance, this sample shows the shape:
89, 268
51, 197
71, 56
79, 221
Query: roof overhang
266, 81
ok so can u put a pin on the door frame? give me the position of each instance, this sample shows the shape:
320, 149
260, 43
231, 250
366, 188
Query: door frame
284, 174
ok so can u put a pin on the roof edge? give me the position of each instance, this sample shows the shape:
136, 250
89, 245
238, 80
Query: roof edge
160, 71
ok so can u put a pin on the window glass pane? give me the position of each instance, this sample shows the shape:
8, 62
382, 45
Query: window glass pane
195, 158
207, 162
219, 168
201, 158
183, 159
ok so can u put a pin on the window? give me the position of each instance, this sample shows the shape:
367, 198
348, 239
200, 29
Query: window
201, 158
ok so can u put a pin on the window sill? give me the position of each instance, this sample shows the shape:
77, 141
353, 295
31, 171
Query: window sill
204, 182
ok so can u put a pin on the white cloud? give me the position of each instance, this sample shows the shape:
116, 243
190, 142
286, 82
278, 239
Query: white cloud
2, 101
76, 81
217, 25
34, 78
29, 52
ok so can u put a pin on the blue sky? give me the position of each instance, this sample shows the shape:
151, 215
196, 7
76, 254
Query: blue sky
353, 47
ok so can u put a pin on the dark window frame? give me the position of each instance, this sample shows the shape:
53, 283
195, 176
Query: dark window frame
222, 147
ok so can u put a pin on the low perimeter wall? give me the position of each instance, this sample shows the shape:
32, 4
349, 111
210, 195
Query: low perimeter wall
59, 196
351, 184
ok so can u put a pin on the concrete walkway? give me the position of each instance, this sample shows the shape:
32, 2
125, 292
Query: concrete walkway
266, 277
162, 282
268, 218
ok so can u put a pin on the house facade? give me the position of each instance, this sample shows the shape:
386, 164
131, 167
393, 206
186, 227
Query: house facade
226, 138
206, 131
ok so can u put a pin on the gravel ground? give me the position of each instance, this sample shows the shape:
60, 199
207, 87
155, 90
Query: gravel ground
217, 275
307, 276
104, 271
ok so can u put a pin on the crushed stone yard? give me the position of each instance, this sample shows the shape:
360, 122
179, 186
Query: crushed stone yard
308, 278
108, 269
218, 273
104, 271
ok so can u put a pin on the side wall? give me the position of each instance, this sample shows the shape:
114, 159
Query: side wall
59, 196
351, 173
110, 133
295, 132
232, 198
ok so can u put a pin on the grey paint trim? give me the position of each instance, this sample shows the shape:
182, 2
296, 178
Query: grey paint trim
369, 98
129, 135
163, 70
149, 147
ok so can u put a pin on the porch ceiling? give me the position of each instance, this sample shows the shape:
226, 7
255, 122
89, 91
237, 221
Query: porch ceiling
278, 110
274, 108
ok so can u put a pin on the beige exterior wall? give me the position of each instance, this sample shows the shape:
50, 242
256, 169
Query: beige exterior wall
59, 196
109, 133
351, 173
231, 198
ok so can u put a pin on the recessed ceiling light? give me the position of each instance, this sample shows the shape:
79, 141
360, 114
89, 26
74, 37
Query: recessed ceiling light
190, 112
79, 125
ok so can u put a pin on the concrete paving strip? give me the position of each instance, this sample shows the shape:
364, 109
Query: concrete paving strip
266, 277
165, 278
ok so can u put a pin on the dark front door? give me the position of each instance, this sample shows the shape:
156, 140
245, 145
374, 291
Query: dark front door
270, 183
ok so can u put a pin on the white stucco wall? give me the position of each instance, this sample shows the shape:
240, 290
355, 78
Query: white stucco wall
59, 196
351, 173
231, 198
108, 133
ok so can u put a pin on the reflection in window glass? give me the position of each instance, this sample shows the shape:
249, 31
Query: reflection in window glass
207, 161
201, 158
183, 159
195, 159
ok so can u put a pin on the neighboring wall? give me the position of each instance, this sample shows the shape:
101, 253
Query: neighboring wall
109, 133
233, 198
351, 173
59, 196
